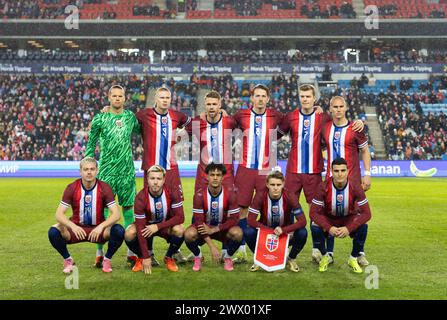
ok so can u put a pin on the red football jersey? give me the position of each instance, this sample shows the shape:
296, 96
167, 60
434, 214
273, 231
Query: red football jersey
333, 202
276, 212
305, 133
165, 210
221, 210
158, 132
215, 140
88, 205
259, 130
344, 142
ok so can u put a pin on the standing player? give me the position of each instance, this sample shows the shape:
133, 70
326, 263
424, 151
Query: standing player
216, 215
114, 129
339, 209
215, 137
259, 125
343, 142
277, 209
158, 126
158, 212
305, 163
87, 197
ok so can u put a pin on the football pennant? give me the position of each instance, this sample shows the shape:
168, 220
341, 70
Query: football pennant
271, 250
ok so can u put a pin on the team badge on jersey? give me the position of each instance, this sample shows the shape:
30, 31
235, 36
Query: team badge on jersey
271, 242
258, 119
275, 209
214, 204
158, 205
88, 198
119, 123
339, 197
164, 120
214, 131
337, 135
306, 123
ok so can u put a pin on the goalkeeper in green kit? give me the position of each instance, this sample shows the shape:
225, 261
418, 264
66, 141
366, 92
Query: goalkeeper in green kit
114, 130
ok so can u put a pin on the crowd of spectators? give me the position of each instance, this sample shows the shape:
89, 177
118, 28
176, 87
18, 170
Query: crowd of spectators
47, 117
313, 10
408, 133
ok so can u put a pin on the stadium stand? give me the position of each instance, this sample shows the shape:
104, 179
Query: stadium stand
223, 9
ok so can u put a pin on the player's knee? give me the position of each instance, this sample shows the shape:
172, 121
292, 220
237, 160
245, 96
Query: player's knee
54, 232
130, 233
178, 230
300, 235
191, 234
235, 233
118, 231
315, 229
249, 233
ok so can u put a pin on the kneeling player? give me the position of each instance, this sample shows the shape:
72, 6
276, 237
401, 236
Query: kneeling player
87, 197
216, 216
334, 212
157, 213
278, 209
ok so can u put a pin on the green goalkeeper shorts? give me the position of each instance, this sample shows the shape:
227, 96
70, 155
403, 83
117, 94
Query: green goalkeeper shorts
124, 187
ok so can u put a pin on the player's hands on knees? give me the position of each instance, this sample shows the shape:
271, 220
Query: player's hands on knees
277, 231
343, 232
333, 231
366, 183
95, 234
149, 230
79, 232
358, 126
204, 229
147, 266
105, 109
215, 255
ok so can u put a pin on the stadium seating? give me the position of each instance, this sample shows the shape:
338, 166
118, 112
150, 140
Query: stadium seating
409, 8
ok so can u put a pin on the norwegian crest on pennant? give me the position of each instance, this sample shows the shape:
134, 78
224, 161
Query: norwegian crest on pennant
271, 242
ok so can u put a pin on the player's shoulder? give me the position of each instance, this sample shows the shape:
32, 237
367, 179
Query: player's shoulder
73, 185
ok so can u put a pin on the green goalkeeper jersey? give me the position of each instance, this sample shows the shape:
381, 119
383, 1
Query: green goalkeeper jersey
114, 132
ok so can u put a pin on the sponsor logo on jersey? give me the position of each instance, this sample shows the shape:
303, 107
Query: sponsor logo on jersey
88, 198
164, 120
306, 123
214, 131
258, 131
275, 209
214, 204
271, 242
339, 197
337, 135
119, 123
258, 119
158, 205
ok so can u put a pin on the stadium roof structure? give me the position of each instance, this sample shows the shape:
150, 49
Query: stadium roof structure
227, 29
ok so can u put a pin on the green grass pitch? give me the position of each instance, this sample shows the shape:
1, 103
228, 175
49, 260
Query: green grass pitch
406, 241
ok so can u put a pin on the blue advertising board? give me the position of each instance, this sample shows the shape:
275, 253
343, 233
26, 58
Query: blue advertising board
27, 169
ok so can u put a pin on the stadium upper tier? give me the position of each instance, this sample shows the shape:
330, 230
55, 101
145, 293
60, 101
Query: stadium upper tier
47, 117
223, 9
